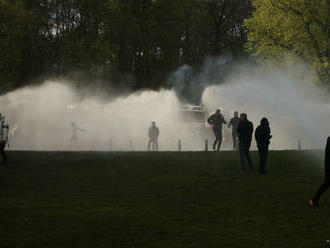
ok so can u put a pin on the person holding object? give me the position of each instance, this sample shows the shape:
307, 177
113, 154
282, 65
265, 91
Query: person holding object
153, 134
315, 201
4, 130
74, 137
262, 136
216, 120
245, 131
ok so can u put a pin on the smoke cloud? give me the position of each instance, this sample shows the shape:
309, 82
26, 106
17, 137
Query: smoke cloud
40, 117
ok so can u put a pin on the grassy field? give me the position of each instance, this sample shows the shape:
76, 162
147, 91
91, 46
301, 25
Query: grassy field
168, 200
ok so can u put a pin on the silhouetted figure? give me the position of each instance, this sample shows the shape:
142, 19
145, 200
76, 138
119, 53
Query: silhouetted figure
153, 134
326, 183
244, 131
262, 136
74, 137
216, 120
4, 130
234, 123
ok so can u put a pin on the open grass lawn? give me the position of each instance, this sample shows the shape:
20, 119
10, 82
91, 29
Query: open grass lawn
169, 200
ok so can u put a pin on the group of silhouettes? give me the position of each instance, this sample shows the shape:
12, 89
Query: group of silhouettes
242, 129
242, 132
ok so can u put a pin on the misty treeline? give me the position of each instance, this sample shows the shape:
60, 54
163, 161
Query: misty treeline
135, 44
132, 43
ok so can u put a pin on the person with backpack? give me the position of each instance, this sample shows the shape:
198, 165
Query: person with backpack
315, 201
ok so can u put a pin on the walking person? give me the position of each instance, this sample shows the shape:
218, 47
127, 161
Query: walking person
315, 201
4, 131
74, 138
262, 136
216, 120
153, 134
245, 131
234, 123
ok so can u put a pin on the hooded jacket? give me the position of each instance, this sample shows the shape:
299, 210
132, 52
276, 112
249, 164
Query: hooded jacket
262, 134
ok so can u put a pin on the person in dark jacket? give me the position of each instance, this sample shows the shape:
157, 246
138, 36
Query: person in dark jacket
245, 131
234, 123
262, 136
153, 134
314, 202
216, 120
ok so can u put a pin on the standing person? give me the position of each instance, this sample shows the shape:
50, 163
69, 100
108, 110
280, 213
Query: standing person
245, 130
314, 202
234, 123
153, 134
4, 130
262, 136
216, 120
74, 137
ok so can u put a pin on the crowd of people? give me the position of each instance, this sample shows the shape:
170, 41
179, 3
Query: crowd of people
242, 131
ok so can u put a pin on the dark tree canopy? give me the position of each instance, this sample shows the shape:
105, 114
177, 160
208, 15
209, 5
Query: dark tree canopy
132, 43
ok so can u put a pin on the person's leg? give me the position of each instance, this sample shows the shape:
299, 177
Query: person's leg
2, 151
156, 144
219, 140
247, 155
149, 144
263, 156
234, 141
153, 144
321, 190
75, 141
241, 154
216, 138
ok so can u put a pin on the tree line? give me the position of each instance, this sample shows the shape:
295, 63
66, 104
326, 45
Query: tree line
137, 43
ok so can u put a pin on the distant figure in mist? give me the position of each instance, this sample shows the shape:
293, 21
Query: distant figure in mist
74, 138
4, 130
245, 131
234, 123
262, 136
216, 120
314, 202
153, 134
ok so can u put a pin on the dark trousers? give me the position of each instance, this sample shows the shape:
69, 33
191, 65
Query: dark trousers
2, 151
322, 189
244, 151
234, 135
218, 138
263, 153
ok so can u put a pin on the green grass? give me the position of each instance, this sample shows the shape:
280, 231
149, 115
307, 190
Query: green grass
170, 200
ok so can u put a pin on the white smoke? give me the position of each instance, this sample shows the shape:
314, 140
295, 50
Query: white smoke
294, 107
40, 117
43, 116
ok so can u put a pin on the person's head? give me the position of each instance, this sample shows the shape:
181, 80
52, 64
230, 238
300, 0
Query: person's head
328, 141
243, 116
153, 123
73, 124
218, 112
236, 114
264, 122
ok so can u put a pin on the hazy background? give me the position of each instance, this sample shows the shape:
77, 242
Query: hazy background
40, 117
